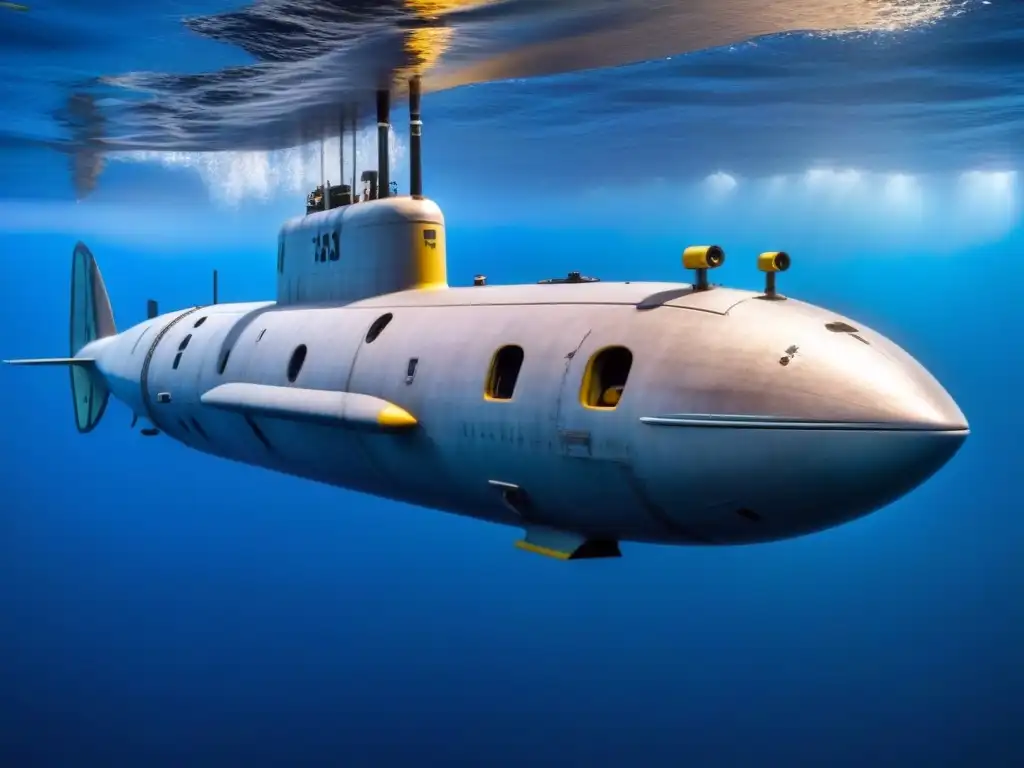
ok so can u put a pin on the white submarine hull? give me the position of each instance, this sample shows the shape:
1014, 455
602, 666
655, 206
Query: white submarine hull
584, 413
738, 419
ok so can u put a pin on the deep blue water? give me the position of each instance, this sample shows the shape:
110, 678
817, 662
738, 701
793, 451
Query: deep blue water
160, 607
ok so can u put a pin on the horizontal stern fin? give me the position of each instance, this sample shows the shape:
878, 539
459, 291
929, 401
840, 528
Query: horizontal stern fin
85, 361
314, 406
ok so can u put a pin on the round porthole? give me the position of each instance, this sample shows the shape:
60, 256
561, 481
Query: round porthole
378, 325
295, 364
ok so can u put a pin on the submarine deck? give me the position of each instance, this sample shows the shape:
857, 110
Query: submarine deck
643, 295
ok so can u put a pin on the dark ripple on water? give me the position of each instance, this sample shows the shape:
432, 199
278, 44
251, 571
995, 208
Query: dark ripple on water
938, 81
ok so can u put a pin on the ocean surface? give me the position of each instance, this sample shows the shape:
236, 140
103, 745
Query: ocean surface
159, 607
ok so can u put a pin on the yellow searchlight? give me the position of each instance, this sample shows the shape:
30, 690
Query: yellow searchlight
701, 258
771, 262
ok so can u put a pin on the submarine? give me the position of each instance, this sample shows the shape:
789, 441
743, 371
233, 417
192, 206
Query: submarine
584, 413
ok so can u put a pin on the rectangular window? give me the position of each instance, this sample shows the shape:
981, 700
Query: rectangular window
504, 372
604, 381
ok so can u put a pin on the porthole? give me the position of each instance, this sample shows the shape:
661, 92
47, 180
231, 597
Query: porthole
199, 322
378, 325
295, 364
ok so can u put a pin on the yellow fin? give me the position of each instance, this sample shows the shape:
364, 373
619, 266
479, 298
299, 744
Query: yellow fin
393, 416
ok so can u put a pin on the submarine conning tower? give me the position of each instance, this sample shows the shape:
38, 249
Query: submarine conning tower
346, 249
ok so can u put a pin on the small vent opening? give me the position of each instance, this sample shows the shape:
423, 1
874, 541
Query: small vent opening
295, 364
378, 325
223, 361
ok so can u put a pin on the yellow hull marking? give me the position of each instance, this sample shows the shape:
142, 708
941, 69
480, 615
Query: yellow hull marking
393, 416
527, 546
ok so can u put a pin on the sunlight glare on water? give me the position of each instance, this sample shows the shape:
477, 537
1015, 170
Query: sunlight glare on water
830, 93
845, 76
